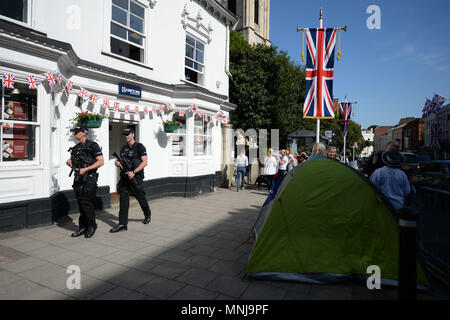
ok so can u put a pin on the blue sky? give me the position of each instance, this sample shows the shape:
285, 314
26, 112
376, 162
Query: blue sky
389, 71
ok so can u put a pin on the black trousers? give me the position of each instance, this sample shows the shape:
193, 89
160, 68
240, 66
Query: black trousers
86, 190
124, 188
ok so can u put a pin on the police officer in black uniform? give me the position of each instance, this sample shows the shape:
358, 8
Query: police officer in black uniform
86, 158
136, 156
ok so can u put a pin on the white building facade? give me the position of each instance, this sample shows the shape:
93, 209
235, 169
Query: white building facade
170, 56
367, 136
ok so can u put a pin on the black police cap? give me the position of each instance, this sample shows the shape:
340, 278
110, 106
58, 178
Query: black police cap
127, 131
77, 129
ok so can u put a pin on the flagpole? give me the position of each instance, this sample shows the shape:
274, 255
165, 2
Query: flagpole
345, 135
318, 120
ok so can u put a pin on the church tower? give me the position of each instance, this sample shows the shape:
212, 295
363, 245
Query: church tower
253, 18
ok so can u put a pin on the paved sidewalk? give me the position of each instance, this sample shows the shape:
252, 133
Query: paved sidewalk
194, 248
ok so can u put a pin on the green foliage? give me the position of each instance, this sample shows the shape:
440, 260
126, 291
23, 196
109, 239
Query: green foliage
84, 116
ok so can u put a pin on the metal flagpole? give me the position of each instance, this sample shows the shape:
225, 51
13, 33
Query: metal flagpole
318, 120
345, 135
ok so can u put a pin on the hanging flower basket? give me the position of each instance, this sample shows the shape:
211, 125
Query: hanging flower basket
89, 120
169, 128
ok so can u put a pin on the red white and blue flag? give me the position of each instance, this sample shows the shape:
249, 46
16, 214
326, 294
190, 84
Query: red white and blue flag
436, 103
8, 80
181, 113
435, 136
50, 78
32, 83
319, 73
426, 108
345, 111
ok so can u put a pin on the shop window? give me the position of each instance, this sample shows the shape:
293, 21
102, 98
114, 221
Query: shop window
256, 17
127, 29
18, 121
179, 137
194, 60
202, 137
15, 9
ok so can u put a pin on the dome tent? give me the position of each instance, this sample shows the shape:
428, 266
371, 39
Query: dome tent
326, 223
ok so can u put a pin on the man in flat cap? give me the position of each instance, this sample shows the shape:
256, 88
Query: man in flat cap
135, 154
86, 158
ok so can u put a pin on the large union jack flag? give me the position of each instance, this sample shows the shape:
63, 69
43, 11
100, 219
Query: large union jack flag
319, 73
436, 103
345, 110
435, 136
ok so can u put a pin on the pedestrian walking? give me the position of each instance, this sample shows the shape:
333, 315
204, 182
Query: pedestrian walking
86, 158
391, 180
135, 159
270, 168
241, 165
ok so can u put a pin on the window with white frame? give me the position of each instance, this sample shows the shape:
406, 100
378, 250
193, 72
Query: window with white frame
194, 60
15, 9
179, 137
18, 122
127, 29
202, 136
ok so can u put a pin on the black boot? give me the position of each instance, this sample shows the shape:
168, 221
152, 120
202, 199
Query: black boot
90, 232
79, 232
118, 228
147, 220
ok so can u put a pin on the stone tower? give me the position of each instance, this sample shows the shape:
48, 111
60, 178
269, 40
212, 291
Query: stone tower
253, 18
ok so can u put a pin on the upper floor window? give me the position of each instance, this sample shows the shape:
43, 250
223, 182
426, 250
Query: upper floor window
232, 6
127, 29
194, 60
256, 11
15, 9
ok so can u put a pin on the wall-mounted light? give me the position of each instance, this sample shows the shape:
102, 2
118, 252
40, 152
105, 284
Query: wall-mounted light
15, 91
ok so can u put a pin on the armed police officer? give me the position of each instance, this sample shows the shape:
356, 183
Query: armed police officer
86, 158
134, 159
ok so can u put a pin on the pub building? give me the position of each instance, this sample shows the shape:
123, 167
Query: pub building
139, 57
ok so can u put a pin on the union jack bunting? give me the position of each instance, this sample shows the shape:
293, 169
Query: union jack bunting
435, 136
8, 80
136, 109
181, 113
83, 94
116, 106
154, 109
145, 110
127, 108
50, 78
161, 109
106, 104
69, 87
436, 103
32, 83
195, 107
319, 73
59, 79
200, 114
94, 99
169, 107
426, 108
345, 110
191, 108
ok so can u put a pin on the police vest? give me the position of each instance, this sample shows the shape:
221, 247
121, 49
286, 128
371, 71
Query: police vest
83, 155
131, 155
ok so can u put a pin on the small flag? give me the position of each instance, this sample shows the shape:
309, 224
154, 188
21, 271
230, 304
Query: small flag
8, 80
136, 109
106, 104
154, 109
51, 79
181, 113
116, 107
83, 94
435, 135
145, 110
59, 79
127, 108
32, 83
94, 99
69, 87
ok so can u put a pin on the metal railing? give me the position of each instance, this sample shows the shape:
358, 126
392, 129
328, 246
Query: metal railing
433, 234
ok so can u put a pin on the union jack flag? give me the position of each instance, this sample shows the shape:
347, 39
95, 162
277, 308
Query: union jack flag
319, 73
93, 99
8, 80
136, 109
426, 108
435, 136
161, 109
51, 79
195, 107
436, 103
345, 110
59, 79
116, 106
69, 87
32, 83
83, 94
181, 113
145, 110
154, 109
106, 104
191, 108
200, 114
127, 108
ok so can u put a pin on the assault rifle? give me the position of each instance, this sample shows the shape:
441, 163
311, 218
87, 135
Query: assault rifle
125, 166
76, 169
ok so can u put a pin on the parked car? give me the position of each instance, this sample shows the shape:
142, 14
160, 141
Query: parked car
413, 163
435, 174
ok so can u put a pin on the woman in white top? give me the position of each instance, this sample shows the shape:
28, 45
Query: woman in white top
283, 164
270, 168
292, 161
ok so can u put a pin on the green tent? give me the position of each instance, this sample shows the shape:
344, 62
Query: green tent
326, 223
